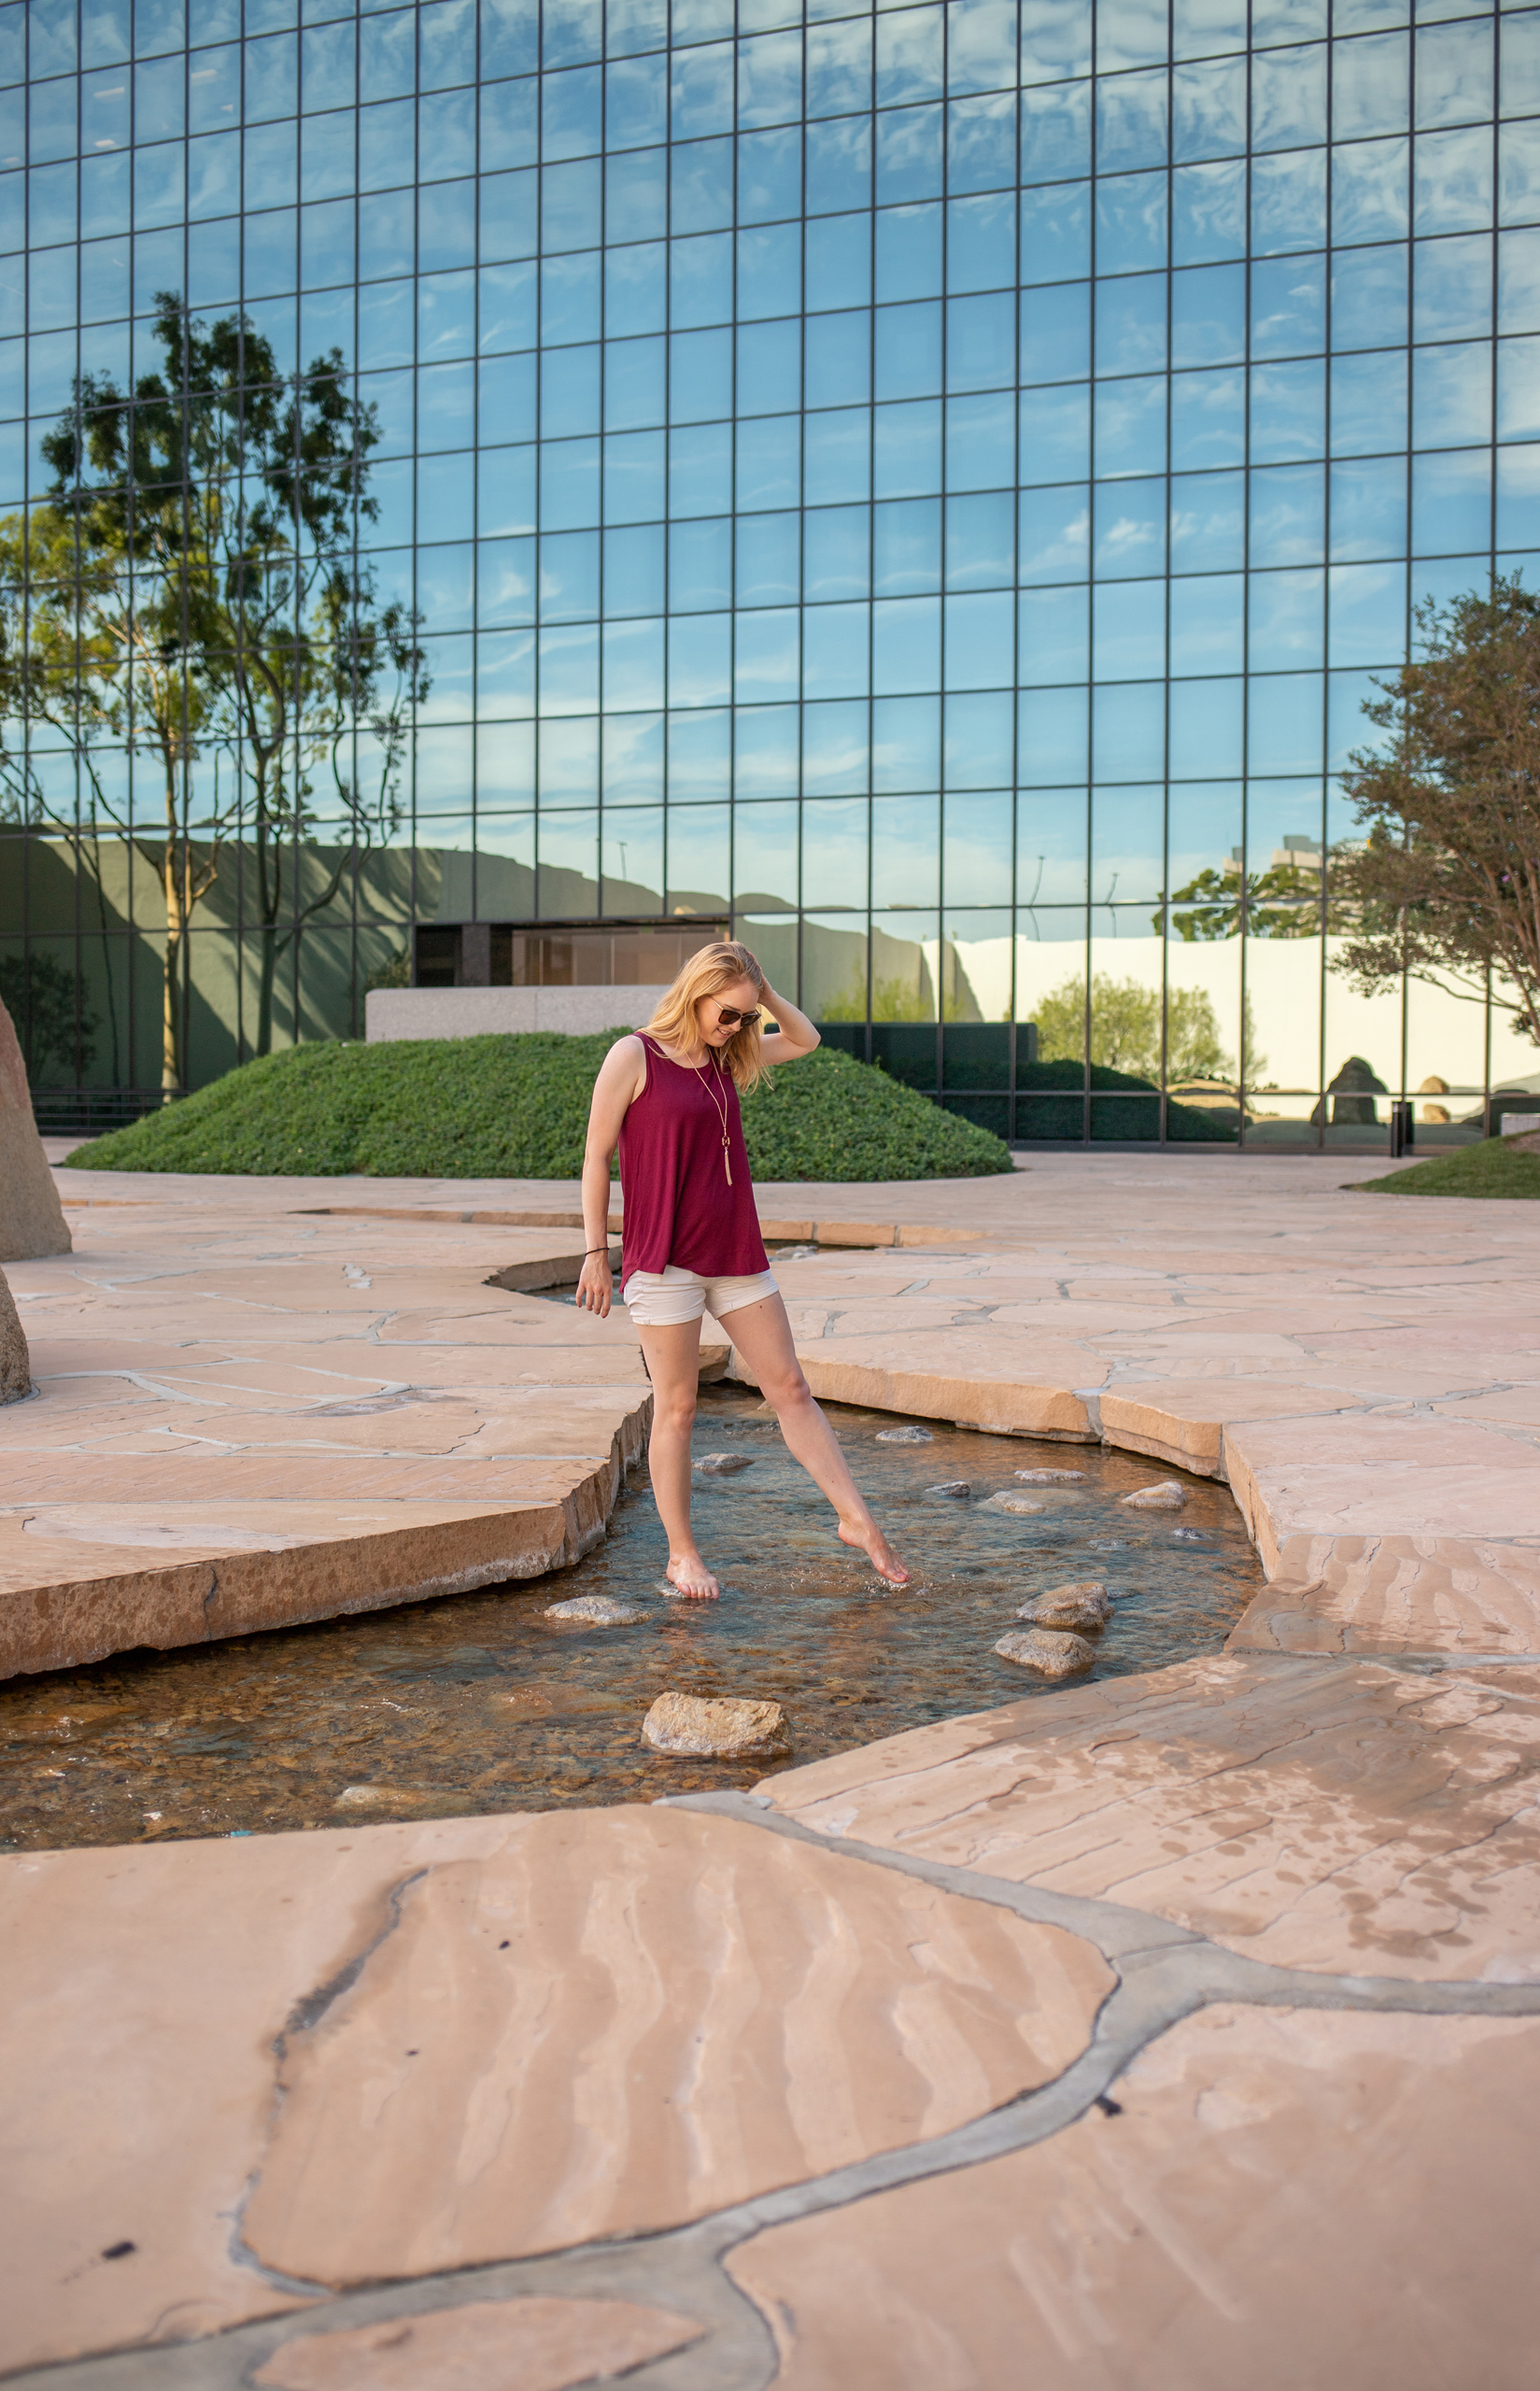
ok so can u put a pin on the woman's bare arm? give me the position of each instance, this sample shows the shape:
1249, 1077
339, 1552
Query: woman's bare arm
620, 1081
798, 1035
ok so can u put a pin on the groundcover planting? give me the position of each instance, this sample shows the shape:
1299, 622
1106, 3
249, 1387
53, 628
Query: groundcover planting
516, 1107
1493, 1167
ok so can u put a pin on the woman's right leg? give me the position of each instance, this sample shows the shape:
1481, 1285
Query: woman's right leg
673, 1364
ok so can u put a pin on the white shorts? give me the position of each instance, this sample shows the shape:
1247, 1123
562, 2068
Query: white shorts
666, 1298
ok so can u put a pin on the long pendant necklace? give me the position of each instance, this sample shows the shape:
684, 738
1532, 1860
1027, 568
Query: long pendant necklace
721, 1112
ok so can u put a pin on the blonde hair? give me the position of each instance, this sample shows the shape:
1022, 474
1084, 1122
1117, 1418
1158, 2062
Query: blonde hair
710, 970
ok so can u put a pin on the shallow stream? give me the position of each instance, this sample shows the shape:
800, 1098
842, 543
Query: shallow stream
480, 1703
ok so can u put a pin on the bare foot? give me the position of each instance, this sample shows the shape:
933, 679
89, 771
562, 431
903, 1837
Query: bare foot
688, 1574
874, 1544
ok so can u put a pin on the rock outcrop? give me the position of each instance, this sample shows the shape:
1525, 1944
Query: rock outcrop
32, 1222
15, 1364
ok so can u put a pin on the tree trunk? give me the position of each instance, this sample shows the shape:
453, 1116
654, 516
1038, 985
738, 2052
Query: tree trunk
175, 926
269, 901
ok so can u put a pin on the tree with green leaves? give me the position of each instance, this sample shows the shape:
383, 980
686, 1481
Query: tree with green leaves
1284, 901
1446, 884
1125, 1030
191, 588
52, 1017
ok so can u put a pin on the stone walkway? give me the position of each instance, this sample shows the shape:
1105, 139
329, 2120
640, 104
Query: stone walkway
1164, 2033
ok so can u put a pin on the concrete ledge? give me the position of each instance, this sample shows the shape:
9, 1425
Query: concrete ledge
477, 1012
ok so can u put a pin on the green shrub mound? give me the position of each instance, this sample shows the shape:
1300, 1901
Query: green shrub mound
1117, 1117
1493, 1167
517, 1108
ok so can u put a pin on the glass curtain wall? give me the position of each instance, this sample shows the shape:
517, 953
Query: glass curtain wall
931, 486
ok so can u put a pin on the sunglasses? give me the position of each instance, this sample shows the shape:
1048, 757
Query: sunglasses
729, 1017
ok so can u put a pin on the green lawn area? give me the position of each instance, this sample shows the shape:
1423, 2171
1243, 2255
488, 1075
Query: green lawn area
516, 1108
1493, 1167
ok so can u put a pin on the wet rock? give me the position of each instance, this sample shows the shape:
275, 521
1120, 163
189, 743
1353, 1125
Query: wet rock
905, 1437
1191, 1536
1050, 1477
361, 1797
1165, 1495
1084, 1604
1051, 1655
15, 1364
722, 1465
600, 1610
1010, 1500
956, 1487
718, 1728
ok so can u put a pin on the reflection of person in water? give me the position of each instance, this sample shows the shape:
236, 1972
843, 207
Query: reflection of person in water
1354, 1092
691, 1234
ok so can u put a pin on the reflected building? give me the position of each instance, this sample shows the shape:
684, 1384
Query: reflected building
928, 488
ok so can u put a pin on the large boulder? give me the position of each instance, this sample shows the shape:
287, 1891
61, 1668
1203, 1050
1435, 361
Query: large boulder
31, 1221
15, 1366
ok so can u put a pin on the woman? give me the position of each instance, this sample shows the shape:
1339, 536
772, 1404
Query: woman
691, 1234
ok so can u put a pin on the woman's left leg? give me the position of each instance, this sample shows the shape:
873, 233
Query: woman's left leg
762, 1335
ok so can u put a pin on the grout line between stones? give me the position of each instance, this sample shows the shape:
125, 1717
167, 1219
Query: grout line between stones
1164, 1973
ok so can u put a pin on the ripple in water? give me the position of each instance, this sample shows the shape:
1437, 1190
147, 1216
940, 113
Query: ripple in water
480, 1703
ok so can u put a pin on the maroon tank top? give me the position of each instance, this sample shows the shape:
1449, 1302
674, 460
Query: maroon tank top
679, 1207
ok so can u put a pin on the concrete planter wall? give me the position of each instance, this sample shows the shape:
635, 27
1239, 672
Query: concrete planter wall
473, 1012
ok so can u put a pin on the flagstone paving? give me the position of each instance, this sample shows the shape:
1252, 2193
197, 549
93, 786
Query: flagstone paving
1163, 2031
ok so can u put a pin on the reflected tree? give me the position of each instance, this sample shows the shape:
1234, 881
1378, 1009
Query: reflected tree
51, 1013
191, 590
1125, 1030
1281, 903
1446, 886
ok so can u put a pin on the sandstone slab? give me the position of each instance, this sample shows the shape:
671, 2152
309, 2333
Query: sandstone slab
225, 1441
1396, 1593
1279, 2199
537, 2345
718, 1727
1316, 1814
1047, 1654
435, 2045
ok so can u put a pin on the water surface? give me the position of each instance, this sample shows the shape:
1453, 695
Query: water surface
480, 1703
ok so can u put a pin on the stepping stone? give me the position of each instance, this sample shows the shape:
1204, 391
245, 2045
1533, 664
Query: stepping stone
1165, 1495
1050, 1477
905, 1437
1008, 1501
956, 1487
1052, 1656
722, 1465
717, 1727
1083, 1603
600, 1610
